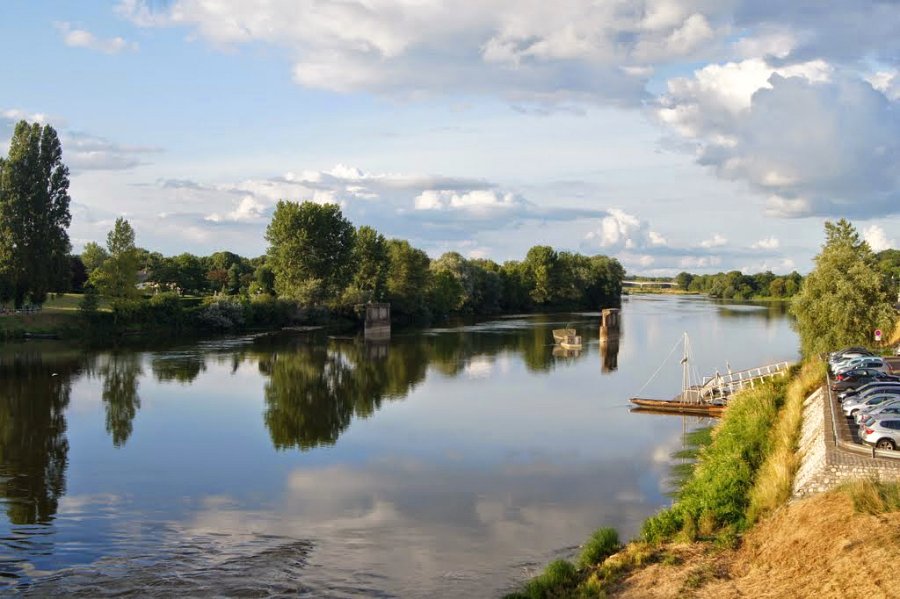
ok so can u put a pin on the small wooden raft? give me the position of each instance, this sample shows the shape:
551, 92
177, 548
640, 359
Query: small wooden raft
679, 407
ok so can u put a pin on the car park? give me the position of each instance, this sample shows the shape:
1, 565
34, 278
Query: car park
883, 434
868, 387
850, 408
846, 358
852, 381
869, 363
885, 408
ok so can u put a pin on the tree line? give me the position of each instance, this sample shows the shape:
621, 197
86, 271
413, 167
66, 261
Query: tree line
316, 260
737, 285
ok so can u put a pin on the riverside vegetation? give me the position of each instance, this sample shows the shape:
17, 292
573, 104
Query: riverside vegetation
744, 471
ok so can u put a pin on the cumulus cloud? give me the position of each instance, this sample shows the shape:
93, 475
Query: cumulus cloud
715, 241
623, 231
813, 140
532, 50
878, 239
769, 243
81, 38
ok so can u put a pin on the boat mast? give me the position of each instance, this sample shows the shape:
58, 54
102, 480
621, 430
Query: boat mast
685, 371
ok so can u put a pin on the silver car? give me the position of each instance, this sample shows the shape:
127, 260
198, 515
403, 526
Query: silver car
883, 434
851, 407
869, 388
868, 363
888, 407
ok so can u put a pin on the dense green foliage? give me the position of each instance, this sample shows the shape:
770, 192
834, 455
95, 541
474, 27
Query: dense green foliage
116, 275
310, 248
736, 285
34, 215
846, 296
715, 499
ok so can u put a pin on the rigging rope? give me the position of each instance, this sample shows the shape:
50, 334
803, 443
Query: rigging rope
653, 376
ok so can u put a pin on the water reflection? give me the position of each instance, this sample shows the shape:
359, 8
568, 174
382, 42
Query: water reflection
120, 373
504, 454
314, 389
34, 394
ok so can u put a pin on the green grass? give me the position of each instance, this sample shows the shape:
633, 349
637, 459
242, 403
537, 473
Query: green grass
558, 580
714, 500
603, 543
775, 481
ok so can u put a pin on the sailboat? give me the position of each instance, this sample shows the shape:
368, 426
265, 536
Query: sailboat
691, 400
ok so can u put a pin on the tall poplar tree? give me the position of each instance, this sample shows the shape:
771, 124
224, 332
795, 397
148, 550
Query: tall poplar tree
34, 215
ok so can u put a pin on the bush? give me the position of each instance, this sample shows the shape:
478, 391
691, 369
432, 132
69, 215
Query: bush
603, 543
558, 580
221, 316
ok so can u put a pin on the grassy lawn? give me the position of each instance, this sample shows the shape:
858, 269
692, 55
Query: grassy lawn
58, 312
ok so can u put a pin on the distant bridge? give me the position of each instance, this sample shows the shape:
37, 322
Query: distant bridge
649, 284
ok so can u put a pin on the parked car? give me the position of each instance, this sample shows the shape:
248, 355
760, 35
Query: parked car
854, 380
869, 363
850, 408
868, 387
847, 352
887, 407
847, 356
883, 434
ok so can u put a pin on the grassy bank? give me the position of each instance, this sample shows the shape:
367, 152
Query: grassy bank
744, 472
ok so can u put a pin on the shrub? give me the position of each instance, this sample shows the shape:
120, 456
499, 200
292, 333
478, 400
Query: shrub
557, 580
221, 316
603, 543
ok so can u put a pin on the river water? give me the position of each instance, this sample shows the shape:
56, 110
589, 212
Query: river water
450, 462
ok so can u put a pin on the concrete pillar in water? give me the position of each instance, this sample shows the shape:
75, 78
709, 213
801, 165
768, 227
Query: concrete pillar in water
610, 320
378, 321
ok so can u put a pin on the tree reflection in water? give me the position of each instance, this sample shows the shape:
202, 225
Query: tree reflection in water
120, 372
314, 389
34, 393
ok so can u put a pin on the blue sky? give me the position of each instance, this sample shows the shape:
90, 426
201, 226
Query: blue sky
673, 134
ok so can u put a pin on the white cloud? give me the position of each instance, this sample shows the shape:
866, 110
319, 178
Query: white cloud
715, 241
81, 38
878, 239
13, 115
479, 201
769, 243
623, 231
83, 151
249, 209
814, 140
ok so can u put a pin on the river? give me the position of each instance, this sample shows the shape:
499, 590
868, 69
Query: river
449, 462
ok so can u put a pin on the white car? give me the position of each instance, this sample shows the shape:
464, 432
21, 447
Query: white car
887, 407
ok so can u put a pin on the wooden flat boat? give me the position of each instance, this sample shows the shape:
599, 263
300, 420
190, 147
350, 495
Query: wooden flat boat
675, 406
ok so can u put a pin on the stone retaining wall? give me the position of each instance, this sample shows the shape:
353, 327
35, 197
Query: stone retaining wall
824, 465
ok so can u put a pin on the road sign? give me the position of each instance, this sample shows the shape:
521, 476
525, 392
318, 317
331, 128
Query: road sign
877, 334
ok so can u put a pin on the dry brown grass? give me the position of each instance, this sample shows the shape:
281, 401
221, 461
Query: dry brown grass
816, 548
775, 479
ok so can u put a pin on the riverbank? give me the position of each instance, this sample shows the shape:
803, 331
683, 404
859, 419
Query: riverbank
731, 526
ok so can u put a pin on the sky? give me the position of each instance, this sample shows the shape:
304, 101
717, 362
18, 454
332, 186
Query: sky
698, 135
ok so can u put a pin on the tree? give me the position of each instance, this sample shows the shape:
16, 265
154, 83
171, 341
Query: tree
310, 247
408, 277
370, 262
683, 280
845, 298
34, 214
117, 275
93, 256
541, 266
